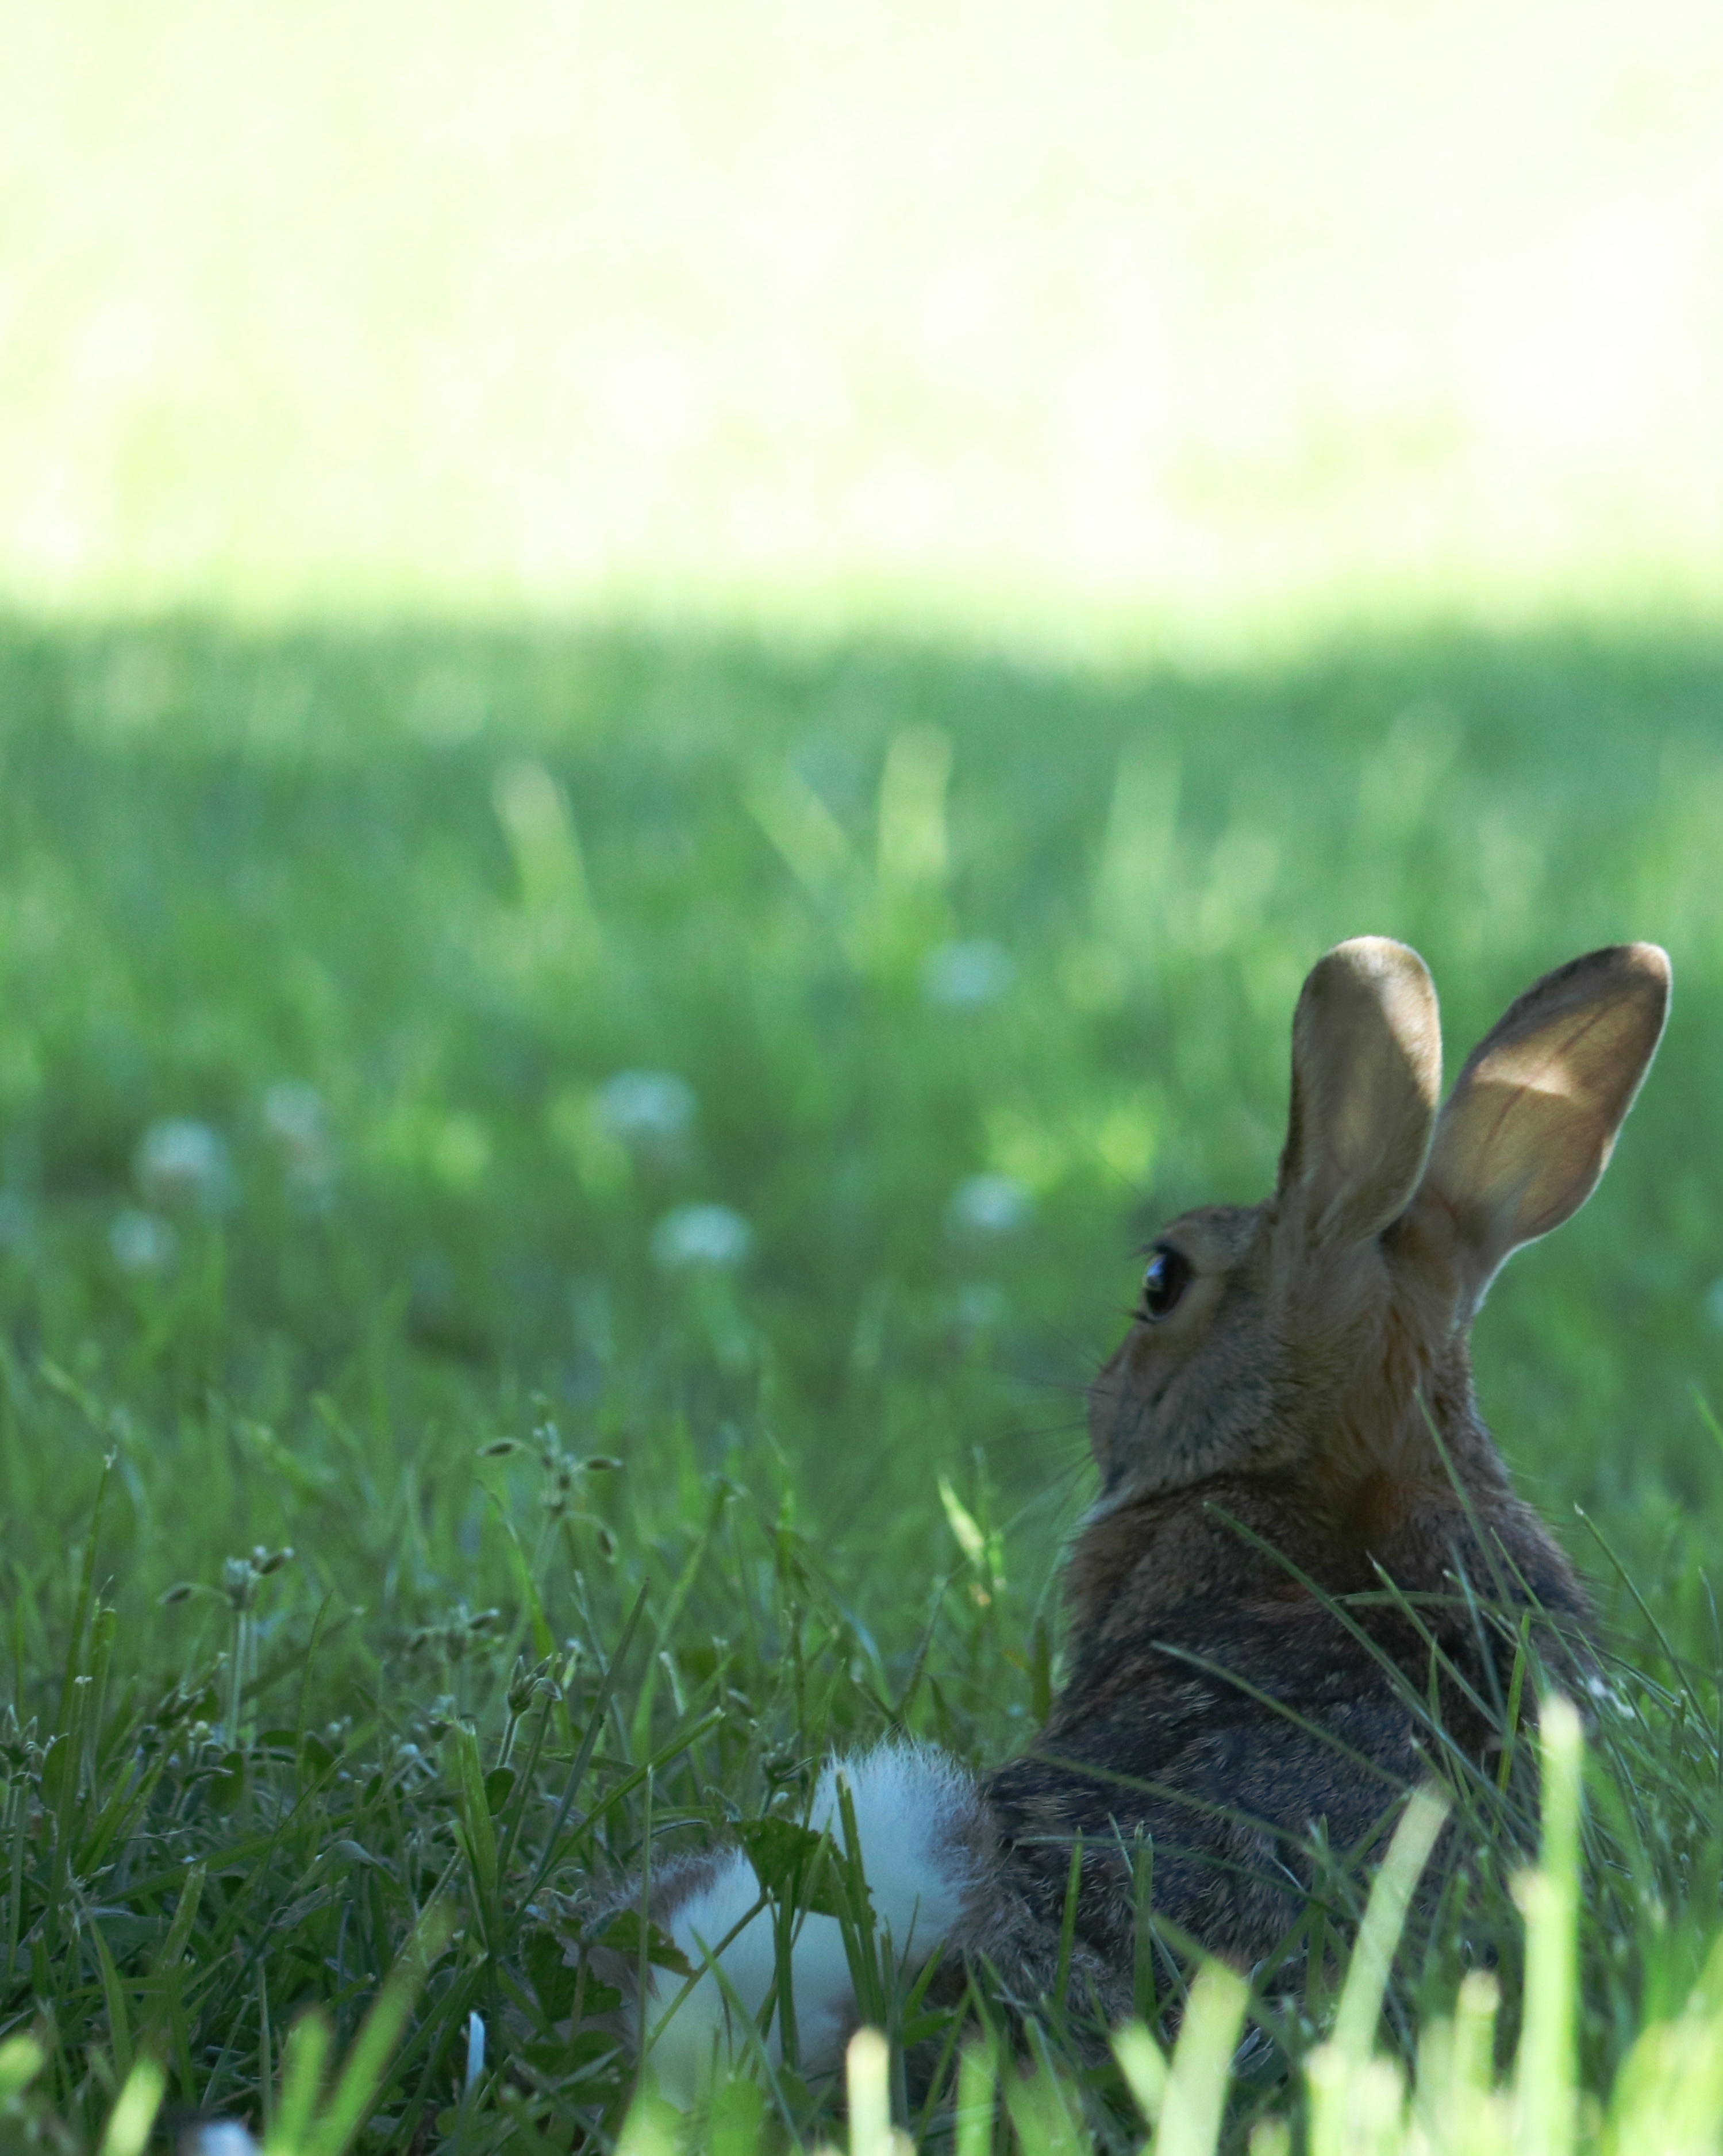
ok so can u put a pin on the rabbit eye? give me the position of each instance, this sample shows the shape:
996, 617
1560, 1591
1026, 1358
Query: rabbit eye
1169, 1274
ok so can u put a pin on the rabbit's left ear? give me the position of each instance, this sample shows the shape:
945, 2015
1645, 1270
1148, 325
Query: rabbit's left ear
1366, 1074
1532, 1120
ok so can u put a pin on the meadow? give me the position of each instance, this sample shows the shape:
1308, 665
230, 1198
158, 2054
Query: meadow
560, 1194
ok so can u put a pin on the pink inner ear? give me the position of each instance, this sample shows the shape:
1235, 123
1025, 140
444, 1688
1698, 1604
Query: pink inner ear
1524, 1157
1533, 1068
1367, 1073
1533, 1119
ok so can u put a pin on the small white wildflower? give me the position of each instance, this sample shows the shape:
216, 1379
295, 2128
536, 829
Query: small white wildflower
650, 1112
692, 1236
142, 1242
475, 2050
182, 1163
989, 1205
965, 976
217, 2137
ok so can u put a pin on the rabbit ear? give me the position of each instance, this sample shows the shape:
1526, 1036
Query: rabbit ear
1531, 1121
1366, 1074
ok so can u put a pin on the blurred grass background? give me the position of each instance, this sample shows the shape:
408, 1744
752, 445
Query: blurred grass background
378, 1005
1105, 328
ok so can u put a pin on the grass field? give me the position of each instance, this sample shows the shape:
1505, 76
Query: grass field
558, 1191
530, 1160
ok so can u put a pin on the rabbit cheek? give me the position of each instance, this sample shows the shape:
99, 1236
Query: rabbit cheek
1117, 1416
1123, 1399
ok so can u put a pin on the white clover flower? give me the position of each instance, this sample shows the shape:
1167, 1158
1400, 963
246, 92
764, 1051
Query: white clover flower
217, 2136
696, 1237
142, 1242
967, 977
183, 1164
989, 1206
650, 1112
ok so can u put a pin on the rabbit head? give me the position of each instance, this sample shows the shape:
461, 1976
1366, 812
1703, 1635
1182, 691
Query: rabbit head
1309, 1343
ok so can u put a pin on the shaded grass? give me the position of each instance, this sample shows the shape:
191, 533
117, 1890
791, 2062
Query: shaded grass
453, 886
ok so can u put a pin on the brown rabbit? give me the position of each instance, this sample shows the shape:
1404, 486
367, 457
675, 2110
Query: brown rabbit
1289, 1418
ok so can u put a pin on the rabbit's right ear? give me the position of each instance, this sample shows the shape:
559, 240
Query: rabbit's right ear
1366, 1074
1532, 1120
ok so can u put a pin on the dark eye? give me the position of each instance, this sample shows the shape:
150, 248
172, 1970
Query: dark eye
1169, 1274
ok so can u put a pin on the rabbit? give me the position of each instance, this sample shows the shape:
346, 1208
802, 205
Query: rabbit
1288, 1419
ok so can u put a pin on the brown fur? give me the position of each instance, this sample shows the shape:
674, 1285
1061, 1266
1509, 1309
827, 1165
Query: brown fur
1313, 1389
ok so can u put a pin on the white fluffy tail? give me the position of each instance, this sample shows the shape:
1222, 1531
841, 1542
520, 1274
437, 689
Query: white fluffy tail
916, 1813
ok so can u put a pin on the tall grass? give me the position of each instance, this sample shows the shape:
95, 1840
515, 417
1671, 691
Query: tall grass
1356, 2094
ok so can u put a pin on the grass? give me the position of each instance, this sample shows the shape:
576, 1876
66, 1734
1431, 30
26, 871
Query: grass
433, 1473
1136, 328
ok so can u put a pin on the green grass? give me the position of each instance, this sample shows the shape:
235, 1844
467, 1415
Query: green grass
455, 885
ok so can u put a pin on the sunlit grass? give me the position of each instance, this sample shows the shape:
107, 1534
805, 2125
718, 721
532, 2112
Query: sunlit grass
1134, 328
